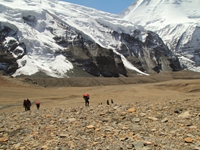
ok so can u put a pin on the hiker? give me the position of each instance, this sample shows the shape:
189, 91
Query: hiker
25, 105
86, 98
107, 102
37, 105
28, 104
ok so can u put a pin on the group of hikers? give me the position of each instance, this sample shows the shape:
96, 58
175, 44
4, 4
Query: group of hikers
27, 102
87, 97
27, 105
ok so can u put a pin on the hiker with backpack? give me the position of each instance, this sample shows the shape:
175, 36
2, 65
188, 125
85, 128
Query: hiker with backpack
25, 105
86, 98
28, 104
37, 105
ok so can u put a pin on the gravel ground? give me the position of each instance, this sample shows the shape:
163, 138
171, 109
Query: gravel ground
160, 112
170, 125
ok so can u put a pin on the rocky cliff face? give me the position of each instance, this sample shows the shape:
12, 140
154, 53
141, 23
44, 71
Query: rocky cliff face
7, 63
9, 52
150, 56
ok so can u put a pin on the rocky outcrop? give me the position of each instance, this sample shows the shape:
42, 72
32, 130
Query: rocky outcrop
10, 51
8, 63
12, 45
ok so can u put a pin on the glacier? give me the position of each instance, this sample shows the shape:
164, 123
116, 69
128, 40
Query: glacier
177, 22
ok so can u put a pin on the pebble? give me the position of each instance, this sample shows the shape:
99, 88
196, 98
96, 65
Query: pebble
188, 140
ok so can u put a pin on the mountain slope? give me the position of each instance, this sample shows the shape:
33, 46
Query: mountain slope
62, 40
177, 22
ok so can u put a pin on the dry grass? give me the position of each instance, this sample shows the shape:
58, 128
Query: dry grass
53, 92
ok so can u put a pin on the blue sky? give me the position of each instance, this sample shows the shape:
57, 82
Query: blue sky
112, 6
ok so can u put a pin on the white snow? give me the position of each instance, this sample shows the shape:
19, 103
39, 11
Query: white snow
149, 13
40, 45
177, 22
189, 63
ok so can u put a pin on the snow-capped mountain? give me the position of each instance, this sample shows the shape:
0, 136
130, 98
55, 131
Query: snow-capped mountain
62, 39
177, 22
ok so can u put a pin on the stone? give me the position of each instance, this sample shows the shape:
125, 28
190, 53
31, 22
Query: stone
148, 143
185, 114
63, 135
16, 146
153, 118
188, 140
136, 120
90, 127
131, 110
164, 120
44, 147
3, 139
72, 119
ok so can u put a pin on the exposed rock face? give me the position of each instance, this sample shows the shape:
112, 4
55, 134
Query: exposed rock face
13, 45
94, 59
8, 63
151, 56
11, 51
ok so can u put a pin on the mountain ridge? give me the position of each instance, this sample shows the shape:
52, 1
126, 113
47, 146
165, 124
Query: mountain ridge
57, 37
176, 22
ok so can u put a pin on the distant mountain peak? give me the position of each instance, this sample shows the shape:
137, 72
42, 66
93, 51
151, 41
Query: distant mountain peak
163, 11
177, 22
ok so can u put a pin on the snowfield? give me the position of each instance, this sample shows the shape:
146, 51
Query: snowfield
176, 22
